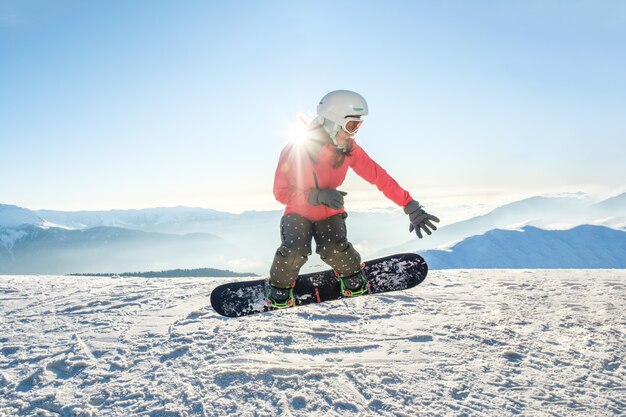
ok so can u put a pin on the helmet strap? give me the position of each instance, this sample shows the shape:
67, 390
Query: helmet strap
332, 129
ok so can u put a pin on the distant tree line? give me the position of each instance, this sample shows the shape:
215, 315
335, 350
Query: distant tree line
173, 273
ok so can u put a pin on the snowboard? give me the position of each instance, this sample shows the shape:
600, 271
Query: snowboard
391, 273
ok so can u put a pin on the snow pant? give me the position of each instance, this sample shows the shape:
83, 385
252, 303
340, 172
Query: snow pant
331, 244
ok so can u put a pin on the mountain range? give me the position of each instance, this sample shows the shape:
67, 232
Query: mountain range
531, 233
585, 246
559, 212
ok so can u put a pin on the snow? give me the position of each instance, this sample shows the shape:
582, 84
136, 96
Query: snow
8, 237
582, 247
247, 241
479, 343
47, 225
12, 216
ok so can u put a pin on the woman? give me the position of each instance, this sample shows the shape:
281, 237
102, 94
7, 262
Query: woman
306, 181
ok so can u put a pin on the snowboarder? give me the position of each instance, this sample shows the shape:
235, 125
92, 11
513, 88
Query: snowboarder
306, 182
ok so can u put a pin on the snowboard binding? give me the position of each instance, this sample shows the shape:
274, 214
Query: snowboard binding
354, 285
280, 297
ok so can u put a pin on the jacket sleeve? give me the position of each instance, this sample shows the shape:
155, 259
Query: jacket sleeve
366, 168
286, 190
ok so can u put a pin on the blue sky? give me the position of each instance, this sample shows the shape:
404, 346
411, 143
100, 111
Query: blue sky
153, 103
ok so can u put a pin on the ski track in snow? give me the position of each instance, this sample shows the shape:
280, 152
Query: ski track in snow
463, 343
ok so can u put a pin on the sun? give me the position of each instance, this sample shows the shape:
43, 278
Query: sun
297, 131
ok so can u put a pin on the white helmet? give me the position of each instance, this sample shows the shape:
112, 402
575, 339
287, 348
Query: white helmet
335, 106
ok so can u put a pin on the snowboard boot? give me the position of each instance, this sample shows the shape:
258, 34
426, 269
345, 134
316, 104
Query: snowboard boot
280, 297
355, 284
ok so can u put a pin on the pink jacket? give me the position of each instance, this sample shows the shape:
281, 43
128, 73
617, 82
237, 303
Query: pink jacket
297, 173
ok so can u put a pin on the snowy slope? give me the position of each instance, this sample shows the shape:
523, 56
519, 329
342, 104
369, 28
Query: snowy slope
530, 247
464, 343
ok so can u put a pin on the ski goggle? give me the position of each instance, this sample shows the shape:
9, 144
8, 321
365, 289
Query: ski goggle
352, 124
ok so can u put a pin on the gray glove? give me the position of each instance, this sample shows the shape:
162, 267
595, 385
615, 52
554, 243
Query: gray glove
328, 197
420, 220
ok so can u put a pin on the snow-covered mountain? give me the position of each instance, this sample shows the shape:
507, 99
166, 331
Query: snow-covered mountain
611, 205
247, 241
29, 249
177, 220
543, 212
168, 238
530, 247
12, 216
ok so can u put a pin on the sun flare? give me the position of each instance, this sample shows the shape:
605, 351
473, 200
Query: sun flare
297, 131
